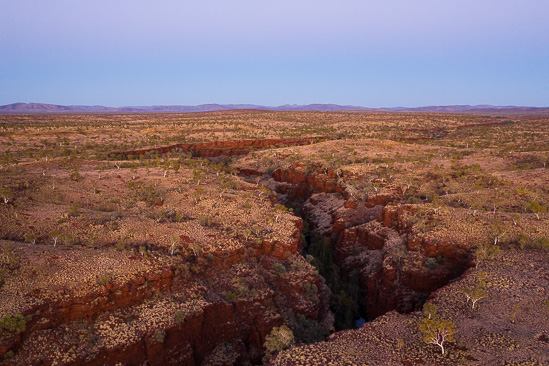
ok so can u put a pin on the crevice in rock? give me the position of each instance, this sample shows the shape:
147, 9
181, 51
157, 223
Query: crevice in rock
366, 253
213, 149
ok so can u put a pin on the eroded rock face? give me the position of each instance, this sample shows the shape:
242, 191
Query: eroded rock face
233, 327
371, 239
241, 325
393, 274
303, 184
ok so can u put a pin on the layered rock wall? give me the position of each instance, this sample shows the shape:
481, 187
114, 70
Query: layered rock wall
370, 238
222, 148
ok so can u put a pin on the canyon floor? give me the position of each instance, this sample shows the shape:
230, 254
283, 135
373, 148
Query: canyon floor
255, 237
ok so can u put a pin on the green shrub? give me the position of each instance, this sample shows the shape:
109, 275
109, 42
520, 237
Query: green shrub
311, 290
279, 338
15, 324
543, 243
230, 296
278, 267
102, 281
160, 335
74, 210
75, 176
7, 257
205, 220
179, 316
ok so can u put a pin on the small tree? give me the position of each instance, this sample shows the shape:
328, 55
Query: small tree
31, 237
197, 175
537, 209
76, 176
437, 331
175, 240
54, 234
429, 310
486, 251
197, 195
279, 210
475, 293
6, 194
497, 229
247, 232
516, 218
7, 257
279, 338
196, 248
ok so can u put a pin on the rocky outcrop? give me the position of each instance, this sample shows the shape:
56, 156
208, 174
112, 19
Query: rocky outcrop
241, 325
69, 306
302, 183
238, 325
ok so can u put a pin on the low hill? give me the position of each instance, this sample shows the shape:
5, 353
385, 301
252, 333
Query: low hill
24, 108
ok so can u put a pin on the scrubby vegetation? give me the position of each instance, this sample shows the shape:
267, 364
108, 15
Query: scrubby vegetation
249, 237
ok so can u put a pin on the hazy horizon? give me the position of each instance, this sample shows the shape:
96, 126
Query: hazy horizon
394, 54
244, 105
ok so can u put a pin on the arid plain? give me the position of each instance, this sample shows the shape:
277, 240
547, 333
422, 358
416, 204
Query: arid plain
257, 237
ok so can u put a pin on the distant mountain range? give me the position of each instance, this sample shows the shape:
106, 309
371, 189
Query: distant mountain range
24, 108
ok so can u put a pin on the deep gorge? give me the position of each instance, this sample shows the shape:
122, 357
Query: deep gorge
362, 249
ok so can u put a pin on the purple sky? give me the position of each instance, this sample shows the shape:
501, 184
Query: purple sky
374, 54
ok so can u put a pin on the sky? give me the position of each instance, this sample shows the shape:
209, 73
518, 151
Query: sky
386, 53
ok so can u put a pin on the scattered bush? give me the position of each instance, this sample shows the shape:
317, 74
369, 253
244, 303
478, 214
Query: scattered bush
15, 324
311, 290
74, 210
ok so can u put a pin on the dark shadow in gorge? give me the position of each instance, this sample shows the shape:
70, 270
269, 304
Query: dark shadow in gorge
345, 293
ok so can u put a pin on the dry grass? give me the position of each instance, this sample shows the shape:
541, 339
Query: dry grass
79, 224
